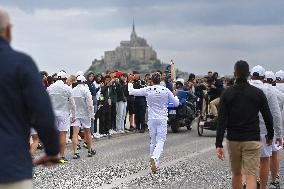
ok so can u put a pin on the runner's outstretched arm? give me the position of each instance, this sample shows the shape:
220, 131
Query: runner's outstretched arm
137, 92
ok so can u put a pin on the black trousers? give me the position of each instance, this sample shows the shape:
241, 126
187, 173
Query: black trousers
105, 119
140, 112
113, 116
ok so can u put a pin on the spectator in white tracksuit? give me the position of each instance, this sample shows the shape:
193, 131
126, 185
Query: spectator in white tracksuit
157, 97
84, 116
64, 107
280, 85
275, 158
257, 77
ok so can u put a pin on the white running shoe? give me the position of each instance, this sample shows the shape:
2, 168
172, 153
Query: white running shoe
96, 135
114, 132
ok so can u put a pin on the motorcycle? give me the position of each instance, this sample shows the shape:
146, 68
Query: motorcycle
182, 116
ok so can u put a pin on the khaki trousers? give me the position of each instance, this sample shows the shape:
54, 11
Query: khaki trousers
213, 106
244, 157
25, 184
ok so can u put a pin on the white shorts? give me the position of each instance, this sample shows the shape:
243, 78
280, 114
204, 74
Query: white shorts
33, 131
62, 123
275, 147
84, 122
265, 151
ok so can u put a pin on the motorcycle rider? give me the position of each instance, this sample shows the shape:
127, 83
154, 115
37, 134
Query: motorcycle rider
183, 94
157, 97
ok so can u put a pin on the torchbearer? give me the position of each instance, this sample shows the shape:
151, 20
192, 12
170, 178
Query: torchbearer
157, 97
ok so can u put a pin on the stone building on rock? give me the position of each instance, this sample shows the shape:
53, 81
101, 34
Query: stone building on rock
137, 49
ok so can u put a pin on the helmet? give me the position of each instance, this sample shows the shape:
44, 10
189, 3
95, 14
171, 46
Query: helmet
181, 80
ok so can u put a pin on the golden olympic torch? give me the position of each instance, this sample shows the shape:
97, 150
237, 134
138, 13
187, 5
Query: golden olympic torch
173, 73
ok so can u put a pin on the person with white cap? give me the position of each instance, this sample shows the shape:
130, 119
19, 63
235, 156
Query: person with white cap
257, 77
280, 86
84, 115
79, 73
157, 97
280, 80
64, 107
275, 158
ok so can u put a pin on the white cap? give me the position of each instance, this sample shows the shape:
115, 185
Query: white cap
61, 75
270, 75
180, 80
258, 69
79, 73
81, 78
280, 74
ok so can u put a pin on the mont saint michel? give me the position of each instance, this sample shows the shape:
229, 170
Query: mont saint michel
133, 54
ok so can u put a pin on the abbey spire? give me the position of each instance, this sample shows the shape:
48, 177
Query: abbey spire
133, 33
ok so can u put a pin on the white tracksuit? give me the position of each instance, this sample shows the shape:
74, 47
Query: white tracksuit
280, 87
63, 104
280, 98
266, 151
83, 101
157, 97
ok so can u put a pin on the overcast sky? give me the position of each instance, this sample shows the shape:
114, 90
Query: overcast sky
198, 35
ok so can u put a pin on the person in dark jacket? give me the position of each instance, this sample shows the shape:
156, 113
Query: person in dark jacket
239, 108
105, 107
90, 82
23, 103
140, 104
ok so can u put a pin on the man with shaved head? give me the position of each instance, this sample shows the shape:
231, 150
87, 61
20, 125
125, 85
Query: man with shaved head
24, 103
5, 26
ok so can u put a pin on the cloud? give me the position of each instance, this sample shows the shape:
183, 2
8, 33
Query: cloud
199, 35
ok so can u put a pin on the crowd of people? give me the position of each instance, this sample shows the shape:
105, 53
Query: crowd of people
249, 106
109, 102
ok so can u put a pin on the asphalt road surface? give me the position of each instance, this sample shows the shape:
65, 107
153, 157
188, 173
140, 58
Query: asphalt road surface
188, 161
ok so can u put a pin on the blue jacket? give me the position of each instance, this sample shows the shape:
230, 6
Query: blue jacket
23, 102
184, 95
